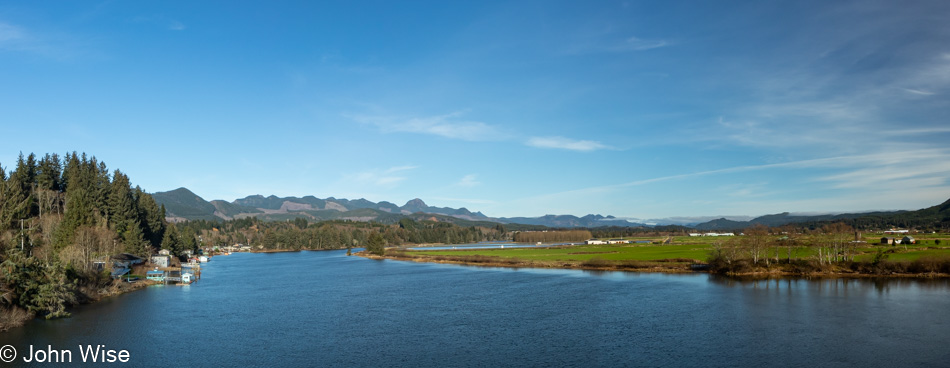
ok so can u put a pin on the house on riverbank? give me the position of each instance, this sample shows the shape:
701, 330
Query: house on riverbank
155, 275
160, 260
123, 263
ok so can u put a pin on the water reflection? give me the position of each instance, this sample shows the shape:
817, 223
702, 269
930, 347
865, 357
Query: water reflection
839, 286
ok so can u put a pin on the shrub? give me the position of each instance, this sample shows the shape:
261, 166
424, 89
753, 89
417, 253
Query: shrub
596, 262
804, 266
633, 264
929, 265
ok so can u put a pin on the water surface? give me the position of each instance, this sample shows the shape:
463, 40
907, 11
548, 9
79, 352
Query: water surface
327, 309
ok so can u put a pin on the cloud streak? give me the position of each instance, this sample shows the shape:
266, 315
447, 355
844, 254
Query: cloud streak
468, 181
876, 172
385, 178
447, 126
175, 25
638, 44
10, 33
565, 144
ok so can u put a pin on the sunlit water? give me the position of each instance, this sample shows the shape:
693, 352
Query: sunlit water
327, 309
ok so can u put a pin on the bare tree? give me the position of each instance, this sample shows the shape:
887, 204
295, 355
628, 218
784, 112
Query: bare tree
756, 241
837, 236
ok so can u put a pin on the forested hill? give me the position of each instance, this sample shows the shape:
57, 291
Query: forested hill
58, 216
934, 217
182, 204
57, 200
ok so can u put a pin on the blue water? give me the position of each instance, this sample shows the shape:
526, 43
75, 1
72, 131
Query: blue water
327, 309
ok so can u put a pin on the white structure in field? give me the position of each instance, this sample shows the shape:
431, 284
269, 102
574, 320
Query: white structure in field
712, 234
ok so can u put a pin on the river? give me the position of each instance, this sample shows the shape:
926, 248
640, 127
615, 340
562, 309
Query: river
328, 309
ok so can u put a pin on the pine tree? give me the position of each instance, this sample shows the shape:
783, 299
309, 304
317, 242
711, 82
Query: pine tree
151, 216
48, 173
121, 211
376, 244
172, 240
55, 293
135, 243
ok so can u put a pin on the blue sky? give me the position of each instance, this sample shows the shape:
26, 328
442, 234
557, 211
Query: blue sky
515, 108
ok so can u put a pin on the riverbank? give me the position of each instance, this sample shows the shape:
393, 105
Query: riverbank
666, 266
15, 316
289, 250
682, 265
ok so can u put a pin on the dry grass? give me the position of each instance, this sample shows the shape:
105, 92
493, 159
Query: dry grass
13, 317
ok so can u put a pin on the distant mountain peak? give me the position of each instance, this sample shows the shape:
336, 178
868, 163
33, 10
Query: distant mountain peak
416, 202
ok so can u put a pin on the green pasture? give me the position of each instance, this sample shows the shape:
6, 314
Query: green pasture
698, 251
912, 253
582, 253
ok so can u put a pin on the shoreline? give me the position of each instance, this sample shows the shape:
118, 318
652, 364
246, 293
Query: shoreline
286, 250
639, 266
19, 317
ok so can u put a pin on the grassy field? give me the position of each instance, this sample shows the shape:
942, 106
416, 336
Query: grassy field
586, 252
913, 253
681, 252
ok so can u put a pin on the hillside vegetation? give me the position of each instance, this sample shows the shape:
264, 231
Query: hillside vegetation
59, 216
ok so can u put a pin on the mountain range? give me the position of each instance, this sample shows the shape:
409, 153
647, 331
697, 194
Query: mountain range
182, 204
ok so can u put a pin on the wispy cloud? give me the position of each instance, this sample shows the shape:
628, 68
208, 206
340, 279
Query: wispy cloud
830, 104
610, 42
10, 33
448, 126
565, 143
919, 131
918, 92
638, 44
465, 200
46, 43
161, 21
175, 25
922, 170
385, 177
469, 180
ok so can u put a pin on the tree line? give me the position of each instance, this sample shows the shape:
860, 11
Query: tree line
300, 234
804, 250
58, 216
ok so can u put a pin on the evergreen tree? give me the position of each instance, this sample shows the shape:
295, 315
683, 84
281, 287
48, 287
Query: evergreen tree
172, 240
188, 240
49, 173
121, 211
135, 243
54, 294
17, 201
80, 201
151, 216
376, 244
